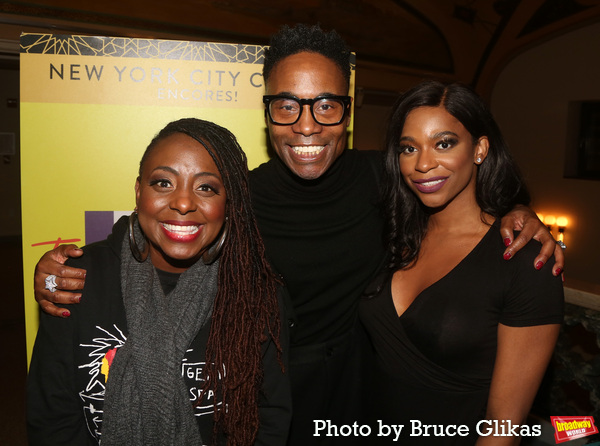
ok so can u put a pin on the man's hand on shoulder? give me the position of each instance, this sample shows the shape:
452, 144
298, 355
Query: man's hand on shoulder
524, 219
67, 280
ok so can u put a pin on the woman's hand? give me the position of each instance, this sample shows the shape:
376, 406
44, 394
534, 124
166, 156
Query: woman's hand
523, 219
67, 278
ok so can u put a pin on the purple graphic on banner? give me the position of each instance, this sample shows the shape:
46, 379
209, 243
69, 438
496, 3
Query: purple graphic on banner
98, 224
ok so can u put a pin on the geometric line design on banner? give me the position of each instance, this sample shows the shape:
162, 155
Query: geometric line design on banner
141, 48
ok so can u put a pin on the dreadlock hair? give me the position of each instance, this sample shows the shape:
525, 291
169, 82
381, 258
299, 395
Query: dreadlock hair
288, 41
499, 184
245, 311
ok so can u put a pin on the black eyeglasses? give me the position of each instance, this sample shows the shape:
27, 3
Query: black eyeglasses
325, 110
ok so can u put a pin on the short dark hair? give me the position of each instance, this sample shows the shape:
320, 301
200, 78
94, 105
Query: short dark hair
288, 41
499, 186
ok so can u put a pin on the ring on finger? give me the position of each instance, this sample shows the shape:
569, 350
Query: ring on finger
51, 283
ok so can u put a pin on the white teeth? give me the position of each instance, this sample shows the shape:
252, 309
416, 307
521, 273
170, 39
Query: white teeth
307, 150
432, 183
181, 229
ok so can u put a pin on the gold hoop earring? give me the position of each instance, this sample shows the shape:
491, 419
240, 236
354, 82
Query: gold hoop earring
138, 255
211, 254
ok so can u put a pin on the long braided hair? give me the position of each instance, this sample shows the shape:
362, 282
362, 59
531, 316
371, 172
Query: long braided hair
246, 312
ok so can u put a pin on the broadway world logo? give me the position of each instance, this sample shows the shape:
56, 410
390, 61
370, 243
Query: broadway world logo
570, 428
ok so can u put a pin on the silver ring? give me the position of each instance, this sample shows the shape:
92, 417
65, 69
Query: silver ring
561, 244
51, 283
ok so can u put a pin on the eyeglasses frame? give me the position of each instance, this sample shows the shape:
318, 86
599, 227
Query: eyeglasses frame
346, 100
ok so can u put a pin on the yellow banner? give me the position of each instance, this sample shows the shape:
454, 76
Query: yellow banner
108, 80
89, 108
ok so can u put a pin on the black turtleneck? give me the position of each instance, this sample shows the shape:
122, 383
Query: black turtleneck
324, 237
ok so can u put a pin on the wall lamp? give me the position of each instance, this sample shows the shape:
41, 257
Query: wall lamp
560, 222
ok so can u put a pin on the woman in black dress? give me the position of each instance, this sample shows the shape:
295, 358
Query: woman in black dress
460, 335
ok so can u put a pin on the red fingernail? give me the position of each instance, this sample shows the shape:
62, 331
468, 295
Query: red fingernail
507, 241
539, 265
66, 314
507, 256
558, 271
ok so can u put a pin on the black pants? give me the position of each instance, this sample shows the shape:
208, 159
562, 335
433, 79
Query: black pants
326, 390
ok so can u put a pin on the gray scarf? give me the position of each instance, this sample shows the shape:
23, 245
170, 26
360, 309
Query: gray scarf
146, 400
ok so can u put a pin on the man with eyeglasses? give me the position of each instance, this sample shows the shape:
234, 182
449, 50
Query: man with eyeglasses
316, 206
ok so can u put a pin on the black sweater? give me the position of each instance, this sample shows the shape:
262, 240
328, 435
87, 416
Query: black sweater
324, 237
65, 389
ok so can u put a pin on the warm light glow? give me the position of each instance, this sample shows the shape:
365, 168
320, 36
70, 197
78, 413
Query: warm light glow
540, 216
549, 220
562, 223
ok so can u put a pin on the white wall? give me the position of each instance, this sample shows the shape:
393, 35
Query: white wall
530, 102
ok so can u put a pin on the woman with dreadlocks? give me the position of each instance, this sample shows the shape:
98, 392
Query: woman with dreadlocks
179, 309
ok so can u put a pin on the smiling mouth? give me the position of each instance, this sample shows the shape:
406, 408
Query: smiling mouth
432, 183
181, 230
307, 150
